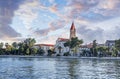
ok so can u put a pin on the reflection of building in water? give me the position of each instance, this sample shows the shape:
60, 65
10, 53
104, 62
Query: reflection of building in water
73, 69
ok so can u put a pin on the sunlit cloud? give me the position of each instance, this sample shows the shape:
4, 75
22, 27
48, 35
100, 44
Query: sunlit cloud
42, 18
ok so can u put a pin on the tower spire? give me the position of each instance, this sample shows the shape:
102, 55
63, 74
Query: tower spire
72, 31
72, 26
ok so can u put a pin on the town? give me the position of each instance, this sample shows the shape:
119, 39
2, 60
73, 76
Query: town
71, 46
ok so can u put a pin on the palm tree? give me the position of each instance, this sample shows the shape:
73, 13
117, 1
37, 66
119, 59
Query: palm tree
8, 48
94, 48
29, 44
15, 45
1, 45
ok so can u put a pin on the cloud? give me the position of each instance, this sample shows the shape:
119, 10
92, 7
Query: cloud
53, 26
90, 34
28, 12
87, 10
7, 9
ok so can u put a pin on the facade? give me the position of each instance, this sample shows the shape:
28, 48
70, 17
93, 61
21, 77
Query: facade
45, 47
59, 46
110, 43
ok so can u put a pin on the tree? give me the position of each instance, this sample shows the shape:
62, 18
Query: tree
26, 47
50, 52
21, 49
8, 48
117, 44
41, 51
15, 45
1, 45
29, 44
27, 51
34, 51
73, 44
94, 50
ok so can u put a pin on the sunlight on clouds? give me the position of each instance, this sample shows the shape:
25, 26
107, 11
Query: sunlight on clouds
42, 18
26, 12
109, 4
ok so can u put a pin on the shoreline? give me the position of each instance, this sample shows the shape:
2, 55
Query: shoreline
66, 57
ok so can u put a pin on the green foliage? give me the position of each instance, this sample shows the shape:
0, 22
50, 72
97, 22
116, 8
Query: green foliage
34, 51
94, 44
26, 46
117, 44
94, 49
50, 52
58, 55
73, 42
28, 51
29, 42
66, 54
67, 43
8, 47
41, 51
14, 44
1, 45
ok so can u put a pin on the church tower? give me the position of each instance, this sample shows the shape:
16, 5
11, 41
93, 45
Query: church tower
72, 31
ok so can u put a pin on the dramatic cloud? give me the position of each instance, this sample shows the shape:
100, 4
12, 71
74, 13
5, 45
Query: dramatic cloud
90, 34
7, 8
53, 26
43, 18
27, 12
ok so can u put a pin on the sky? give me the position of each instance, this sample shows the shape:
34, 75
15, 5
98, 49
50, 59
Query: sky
47, 20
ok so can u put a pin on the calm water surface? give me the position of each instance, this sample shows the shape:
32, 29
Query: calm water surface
58, 68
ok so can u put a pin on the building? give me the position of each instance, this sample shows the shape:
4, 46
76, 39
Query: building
72, 31
59, 46
110, 43
45, 47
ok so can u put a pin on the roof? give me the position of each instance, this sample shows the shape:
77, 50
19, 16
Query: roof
63, 39
72, 26
44, 45
110, 41
87, 46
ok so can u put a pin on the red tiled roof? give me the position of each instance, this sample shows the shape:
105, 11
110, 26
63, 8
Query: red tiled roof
72, 26
90, 45
63, 39
44, 45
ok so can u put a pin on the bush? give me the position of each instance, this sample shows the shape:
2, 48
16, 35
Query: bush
66, 54
58, 55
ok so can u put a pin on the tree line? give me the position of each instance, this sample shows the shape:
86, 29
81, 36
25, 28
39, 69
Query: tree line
21, 48
26, 48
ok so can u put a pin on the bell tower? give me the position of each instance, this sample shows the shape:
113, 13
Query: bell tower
72, 31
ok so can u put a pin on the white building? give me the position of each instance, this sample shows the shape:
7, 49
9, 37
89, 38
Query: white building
59, 46
45, 47
110, 43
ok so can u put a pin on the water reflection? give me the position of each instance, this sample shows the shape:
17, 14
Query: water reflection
58, 68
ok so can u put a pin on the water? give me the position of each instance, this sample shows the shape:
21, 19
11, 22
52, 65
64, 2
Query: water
58, 68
